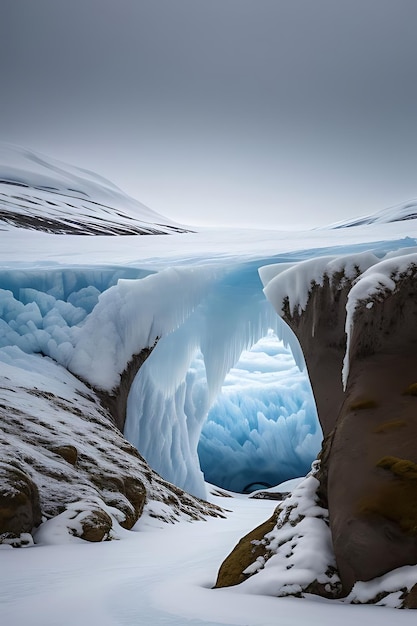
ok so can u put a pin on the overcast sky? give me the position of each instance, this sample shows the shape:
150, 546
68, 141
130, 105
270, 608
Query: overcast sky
235, 112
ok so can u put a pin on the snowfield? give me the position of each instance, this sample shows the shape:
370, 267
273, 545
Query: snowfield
160, 576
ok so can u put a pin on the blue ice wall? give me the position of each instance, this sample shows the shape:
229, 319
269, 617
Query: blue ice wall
262, 429
42, 308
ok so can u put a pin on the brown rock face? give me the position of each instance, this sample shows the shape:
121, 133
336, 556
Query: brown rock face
116, 400
369, 456
19, 501
320, 329
67, 452
373, 509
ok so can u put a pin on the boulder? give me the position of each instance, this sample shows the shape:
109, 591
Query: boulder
251, 547
96, 526
20, 509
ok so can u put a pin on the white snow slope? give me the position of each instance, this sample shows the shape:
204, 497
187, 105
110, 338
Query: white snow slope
89, 304
69, 200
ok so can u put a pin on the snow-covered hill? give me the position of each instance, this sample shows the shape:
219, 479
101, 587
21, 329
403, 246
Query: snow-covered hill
41, 194
403, 212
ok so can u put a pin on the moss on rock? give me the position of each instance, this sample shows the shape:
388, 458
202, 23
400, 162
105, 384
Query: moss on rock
389, 426
396, 500
363, 405
411, 390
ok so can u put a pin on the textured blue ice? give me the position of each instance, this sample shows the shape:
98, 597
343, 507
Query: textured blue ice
262, 429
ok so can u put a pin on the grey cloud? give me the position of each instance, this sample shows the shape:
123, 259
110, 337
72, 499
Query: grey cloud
313, 100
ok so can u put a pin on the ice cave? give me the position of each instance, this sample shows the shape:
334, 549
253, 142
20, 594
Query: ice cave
236, 404
225, 396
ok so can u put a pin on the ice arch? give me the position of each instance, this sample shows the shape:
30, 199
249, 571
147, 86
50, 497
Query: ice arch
171, 396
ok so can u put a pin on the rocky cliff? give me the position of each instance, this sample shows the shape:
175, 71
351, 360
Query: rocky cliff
357, 327
66, 469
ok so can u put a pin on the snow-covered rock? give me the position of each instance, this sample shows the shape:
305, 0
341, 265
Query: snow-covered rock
67, 472
291, 553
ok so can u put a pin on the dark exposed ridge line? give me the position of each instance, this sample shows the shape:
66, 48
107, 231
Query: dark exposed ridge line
63, 227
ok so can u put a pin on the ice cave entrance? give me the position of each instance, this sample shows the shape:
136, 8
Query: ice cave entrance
262, 429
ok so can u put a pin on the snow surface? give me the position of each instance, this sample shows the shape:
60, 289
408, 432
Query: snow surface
295, 282
90, 305
158, 576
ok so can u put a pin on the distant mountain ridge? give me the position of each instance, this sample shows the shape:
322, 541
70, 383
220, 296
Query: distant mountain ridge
38, 193
399, 213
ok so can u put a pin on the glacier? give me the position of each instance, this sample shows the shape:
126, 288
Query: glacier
261, 429
196, 313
